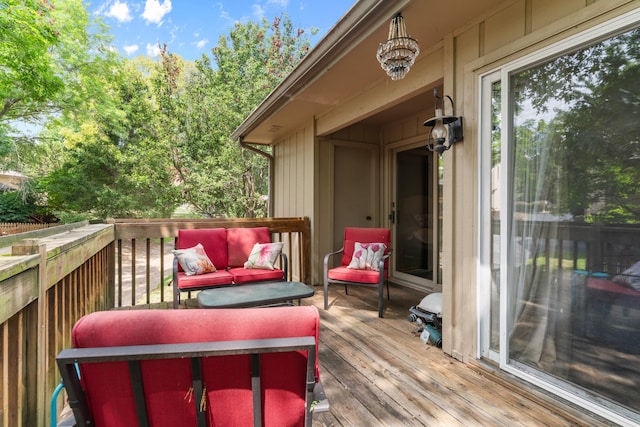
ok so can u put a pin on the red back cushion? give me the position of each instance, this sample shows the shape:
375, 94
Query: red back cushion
363, 235
226, 378
240, 241
214, 241
609, 286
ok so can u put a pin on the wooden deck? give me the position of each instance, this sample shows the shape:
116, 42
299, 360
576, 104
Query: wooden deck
378, 372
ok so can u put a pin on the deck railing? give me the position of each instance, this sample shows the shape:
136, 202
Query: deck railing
144, 258
581, 246
48, 280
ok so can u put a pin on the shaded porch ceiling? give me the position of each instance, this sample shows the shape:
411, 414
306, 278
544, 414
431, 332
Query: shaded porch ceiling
344, 65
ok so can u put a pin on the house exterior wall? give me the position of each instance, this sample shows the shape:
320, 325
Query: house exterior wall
294, 177
303, 183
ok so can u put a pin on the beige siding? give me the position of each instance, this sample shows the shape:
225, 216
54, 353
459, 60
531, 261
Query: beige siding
540, 11
408, 128
293, 186
506, 26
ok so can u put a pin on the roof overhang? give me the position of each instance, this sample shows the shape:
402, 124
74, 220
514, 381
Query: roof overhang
343, 65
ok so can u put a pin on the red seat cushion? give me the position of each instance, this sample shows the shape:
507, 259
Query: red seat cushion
246, 275
214, 241
352, 275
217, 278
240, 241
227, 379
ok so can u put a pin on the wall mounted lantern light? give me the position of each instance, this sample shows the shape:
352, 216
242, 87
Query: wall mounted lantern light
445, 130
399, 52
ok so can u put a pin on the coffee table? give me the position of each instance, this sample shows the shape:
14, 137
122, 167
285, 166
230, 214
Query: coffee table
254, 294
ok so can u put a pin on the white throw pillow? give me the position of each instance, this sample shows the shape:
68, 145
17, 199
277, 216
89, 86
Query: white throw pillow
263, 256
194, 260
367, 256
630, 277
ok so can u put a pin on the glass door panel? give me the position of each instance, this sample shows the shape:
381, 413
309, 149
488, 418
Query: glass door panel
413, 210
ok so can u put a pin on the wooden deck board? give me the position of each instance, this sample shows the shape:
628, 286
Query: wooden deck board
378, 372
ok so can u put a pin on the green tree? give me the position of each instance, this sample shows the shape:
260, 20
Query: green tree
15, 208
599, 143
113, 162
202, 107
591, 150
29, 30
98, 153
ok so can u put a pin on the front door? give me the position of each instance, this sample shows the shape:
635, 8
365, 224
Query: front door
412, 214
356, 184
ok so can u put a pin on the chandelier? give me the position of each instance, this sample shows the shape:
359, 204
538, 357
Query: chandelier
399, 52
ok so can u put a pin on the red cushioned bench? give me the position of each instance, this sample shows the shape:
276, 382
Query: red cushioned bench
226, 367
602, 293
228, 249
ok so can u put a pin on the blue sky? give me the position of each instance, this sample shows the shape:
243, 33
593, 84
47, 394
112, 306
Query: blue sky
192, 27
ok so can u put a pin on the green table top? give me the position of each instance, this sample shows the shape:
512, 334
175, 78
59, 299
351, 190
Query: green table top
254, 294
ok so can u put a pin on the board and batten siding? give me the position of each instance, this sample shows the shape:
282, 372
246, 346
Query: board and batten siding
293, 185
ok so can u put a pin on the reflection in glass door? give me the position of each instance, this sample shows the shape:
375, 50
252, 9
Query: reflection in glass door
413, 215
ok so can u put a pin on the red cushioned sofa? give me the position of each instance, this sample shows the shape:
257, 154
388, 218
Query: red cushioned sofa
603, 293
228, 249
225, 367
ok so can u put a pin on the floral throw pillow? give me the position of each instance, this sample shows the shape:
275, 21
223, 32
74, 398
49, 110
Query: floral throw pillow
194, 260
263, 255
630, 277
367, 256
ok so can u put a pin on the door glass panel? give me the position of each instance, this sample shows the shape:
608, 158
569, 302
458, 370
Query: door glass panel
573, 313
494, 254
414, 213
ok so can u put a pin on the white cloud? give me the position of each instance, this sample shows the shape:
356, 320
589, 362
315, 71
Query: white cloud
154, 11
201, 43
281, 3
120, 11
224, 15
153, 50
258, 10
131, 49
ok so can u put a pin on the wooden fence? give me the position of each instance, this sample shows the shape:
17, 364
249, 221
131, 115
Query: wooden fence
21, 227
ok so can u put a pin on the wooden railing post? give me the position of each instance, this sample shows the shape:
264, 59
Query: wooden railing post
33, 247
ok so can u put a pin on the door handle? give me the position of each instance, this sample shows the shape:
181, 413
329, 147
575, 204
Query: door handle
369, 218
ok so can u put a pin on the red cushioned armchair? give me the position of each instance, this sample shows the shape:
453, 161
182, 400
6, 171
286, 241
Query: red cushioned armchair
364, 274
226, 367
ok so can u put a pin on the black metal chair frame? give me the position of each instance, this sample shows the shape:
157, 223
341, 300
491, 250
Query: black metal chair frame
379, 285
67, 360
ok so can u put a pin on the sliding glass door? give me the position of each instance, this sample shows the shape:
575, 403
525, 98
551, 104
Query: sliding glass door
413, 216
560, 215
